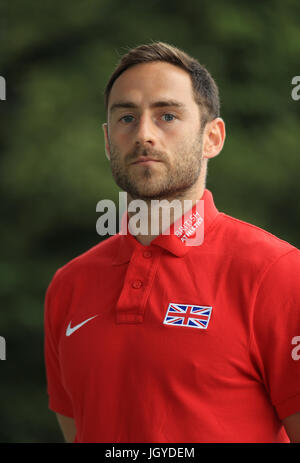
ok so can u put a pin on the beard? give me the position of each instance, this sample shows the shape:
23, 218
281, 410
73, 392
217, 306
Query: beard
170, 178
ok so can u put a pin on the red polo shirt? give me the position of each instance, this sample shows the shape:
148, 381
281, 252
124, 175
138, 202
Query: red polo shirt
177, 343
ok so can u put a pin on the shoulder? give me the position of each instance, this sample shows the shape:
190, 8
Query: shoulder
252, 244
76, 276
88, 262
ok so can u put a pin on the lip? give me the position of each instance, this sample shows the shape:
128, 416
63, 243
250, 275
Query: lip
145, 160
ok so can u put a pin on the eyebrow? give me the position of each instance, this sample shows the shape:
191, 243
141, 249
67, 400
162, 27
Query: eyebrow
155, 104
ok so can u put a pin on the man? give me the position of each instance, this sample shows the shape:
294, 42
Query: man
149, 338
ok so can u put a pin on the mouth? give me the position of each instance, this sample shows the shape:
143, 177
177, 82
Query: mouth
145, 160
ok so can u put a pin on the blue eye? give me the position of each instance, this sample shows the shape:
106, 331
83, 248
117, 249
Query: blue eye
126, 117
170, 117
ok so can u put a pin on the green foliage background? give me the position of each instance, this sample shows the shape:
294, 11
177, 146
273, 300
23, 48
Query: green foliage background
56, 58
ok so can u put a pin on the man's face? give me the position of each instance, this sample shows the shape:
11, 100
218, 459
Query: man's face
154, 137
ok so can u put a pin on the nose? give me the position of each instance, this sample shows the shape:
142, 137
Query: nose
145, 132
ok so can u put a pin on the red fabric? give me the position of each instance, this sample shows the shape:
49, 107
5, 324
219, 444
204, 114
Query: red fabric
125, 376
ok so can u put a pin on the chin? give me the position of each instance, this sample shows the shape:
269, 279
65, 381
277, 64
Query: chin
145, 191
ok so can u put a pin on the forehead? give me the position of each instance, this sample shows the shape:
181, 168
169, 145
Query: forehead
145, 82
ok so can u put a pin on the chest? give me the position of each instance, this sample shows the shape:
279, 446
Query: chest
192, 333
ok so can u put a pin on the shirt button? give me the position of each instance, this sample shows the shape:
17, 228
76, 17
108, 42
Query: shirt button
137, 284
147, 254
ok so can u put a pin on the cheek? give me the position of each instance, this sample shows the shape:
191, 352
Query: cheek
121, 138
179, 133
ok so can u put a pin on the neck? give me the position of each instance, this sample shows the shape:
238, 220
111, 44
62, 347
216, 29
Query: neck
155, 216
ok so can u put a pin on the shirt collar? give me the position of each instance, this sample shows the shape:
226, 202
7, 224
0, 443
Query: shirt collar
182, 231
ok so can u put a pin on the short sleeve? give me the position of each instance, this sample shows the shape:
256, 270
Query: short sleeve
59, 400
276, 327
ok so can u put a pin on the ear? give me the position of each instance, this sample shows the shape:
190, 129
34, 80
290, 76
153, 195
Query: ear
106, 139
213, 138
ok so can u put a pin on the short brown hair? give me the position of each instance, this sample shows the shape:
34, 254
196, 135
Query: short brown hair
205, 89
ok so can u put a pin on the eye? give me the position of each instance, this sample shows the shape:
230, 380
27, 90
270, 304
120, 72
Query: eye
126, 119
169, 117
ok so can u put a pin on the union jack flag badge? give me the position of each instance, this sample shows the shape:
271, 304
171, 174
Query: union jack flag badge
193, 316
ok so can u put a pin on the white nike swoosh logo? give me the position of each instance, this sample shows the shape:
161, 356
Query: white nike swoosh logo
70, 330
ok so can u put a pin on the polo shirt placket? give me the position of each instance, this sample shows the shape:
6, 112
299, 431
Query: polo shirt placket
143, 263
137, 285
